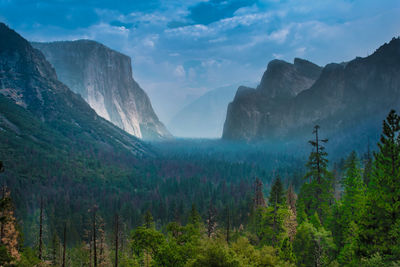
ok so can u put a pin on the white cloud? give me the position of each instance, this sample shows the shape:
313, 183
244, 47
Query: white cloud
279, 36
179, 71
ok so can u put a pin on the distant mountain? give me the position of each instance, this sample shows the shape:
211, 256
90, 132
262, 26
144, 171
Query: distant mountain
205, 116
38, 110
103, 77
348, 100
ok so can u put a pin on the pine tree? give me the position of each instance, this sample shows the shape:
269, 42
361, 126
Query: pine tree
367, 166
353, 187
41, 229
291, 198
259, 200
194, 216
276, 199
64, 245
347, 211
317, 195
94, 231
381, 217
9, 232
211, 220
277, 194
228, 225
148, 220
103, 258
116, 234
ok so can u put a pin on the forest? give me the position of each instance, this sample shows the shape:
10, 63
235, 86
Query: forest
193, 209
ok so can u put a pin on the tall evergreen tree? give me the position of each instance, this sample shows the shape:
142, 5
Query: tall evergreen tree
148, 220
277, 194
194, 216
353, 187
346, 212
381, 218
317, 195
291, 198
116, 234
367, 166
211, 219
259, 200
41, 229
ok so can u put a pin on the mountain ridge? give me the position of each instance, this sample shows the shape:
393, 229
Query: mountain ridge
343, 94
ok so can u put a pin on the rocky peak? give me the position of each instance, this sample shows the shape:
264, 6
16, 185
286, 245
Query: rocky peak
283, 80
20, 56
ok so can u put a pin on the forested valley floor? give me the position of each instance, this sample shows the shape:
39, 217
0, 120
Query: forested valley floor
185, 207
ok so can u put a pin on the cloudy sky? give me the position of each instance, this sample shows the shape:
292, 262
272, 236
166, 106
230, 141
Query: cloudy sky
183, 48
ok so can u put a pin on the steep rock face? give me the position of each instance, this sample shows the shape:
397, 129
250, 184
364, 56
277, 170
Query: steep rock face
103, 77
251, 115
283, 79
346, 98
28, 80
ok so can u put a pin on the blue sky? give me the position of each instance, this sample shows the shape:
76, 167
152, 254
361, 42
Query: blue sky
182, 48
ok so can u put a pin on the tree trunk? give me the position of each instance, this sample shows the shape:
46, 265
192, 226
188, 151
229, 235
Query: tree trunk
41, 229
116, 240
65, 244
227, 227
94, 238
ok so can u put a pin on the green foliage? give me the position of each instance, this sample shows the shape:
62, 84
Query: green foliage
317, 195
5, 257
146, 240
268, 225
215, 253
313, 247
78, 256
382, 209
194, 216
28, 258
148, 220
277, 194
286, 252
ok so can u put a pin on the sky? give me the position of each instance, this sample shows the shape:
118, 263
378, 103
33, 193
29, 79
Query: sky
181, 49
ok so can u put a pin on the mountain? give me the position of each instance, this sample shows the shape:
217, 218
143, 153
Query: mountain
103, 77
39, 111
251, 115
348, 100
205, 116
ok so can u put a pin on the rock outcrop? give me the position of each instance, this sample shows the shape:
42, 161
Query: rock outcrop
345, 99
103, 77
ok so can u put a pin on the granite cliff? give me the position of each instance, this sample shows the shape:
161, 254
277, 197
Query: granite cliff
103, 77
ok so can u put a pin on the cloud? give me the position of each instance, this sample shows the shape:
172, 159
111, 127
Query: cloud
279, 36
179, 71
215, 10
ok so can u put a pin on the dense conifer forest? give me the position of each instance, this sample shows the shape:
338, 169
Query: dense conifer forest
185, 208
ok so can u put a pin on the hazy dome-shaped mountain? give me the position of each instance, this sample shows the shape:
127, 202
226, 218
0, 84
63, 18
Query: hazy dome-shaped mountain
103, 77
205, 116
